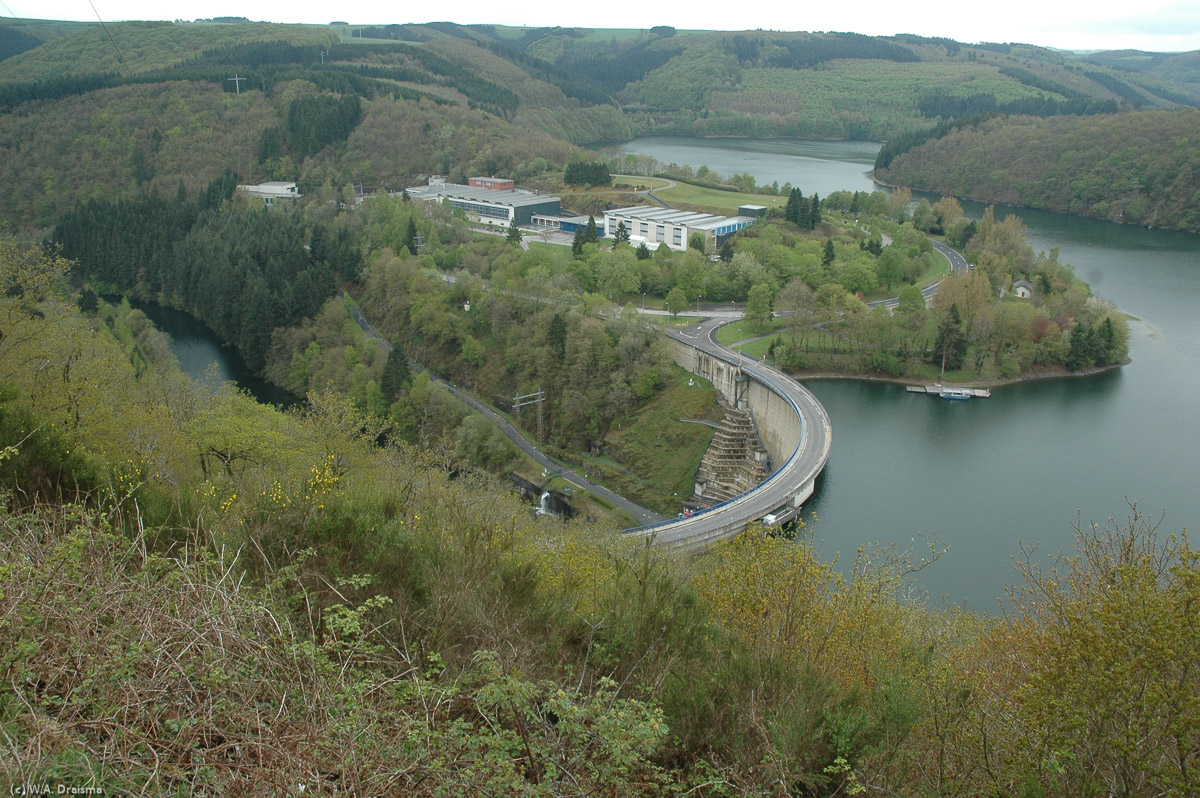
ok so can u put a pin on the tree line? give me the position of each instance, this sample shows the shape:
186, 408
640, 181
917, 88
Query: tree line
244, 272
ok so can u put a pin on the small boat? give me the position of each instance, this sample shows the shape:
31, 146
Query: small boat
955, 393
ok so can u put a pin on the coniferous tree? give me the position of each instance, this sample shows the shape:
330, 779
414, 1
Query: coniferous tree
410, 234
791, 211
950, 349
396, 373
804, 214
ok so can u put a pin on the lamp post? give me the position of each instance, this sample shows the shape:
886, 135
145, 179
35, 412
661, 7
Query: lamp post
643, 300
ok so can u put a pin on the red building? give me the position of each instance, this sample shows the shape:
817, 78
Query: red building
498, 183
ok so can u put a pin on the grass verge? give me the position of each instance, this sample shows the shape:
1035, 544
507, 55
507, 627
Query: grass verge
652, 457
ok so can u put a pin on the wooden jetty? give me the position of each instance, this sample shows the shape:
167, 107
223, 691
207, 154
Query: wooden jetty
958, 393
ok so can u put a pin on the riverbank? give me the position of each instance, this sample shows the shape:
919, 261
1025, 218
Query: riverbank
984, 200
1049, 374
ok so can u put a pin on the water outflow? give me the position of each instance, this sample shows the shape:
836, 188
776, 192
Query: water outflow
544, 503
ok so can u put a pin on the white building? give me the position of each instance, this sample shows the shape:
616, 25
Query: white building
272, 191
654, 226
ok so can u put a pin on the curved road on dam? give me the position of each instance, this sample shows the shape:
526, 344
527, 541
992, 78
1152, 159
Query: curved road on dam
799, 471
789, 484
794, 477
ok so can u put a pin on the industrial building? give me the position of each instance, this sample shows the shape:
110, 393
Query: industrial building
493, 206
270, 192
567, 224
653, 226
498, 183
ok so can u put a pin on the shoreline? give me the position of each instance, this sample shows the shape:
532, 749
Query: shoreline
1018, 208
982, 383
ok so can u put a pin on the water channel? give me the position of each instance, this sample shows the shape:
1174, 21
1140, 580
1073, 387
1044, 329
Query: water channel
1025, 465
202, 356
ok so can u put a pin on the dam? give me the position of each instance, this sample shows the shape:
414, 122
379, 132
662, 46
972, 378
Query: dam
793, 426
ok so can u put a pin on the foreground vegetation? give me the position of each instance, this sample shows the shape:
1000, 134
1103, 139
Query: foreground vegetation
202, 594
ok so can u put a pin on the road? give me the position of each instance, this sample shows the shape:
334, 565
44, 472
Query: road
957, 263
800, 469
639, 513
721, 520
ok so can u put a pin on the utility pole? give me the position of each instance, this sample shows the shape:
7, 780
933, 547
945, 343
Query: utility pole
237, 82
538, 398
322, 56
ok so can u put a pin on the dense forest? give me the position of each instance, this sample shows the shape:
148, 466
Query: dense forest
1141, 167
535, 91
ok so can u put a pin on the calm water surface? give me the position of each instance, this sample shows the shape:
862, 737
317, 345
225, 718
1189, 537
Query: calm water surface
199, 352
1025, 465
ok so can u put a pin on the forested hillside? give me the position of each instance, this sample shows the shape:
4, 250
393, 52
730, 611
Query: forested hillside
90, 112
205, 595
1141, 167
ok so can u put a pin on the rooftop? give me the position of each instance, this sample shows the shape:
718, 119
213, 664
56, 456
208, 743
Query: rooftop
514, 197
691, 219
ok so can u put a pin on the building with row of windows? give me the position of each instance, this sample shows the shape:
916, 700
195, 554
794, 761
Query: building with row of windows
272, 192
486, 205
567, 224
654, 226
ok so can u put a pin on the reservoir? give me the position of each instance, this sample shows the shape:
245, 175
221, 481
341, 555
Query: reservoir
1020, 469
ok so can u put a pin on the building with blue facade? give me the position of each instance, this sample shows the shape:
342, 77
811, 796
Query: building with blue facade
567, 224
654, 226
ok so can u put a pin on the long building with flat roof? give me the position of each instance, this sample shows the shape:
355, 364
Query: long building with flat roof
489, 205
666, 225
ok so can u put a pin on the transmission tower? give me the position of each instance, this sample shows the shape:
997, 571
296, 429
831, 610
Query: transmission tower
537, 398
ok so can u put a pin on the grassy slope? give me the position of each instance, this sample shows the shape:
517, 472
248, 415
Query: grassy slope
878, 89
685, 194
660, 453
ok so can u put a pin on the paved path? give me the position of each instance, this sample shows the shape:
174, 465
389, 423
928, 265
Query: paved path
957, 263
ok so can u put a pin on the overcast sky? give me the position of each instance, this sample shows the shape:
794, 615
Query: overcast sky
1157, 25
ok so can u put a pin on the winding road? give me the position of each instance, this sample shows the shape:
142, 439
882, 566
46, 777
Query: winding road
784, 489
639, 513
791, 482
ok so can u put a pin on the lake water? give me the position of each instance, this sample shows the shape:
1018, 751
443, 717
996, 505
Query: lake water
1022, 467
